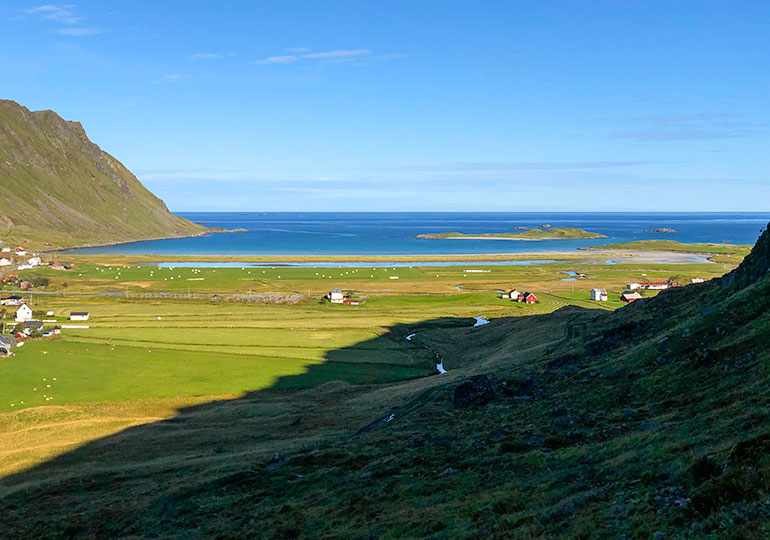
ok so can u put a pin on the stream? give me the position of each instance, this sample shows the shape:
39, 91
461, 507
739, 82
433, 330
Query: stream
480, 321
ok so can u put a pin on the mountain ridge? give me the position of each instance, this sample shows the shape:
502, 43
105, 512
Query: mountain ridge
58, 187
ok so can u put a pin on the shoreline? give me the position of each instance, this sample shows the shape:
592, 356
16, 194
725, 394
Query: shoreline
577, 256
213, 230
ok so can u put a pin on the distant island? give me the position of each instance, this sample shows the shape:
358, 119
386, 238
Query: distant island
555, 233
663, 230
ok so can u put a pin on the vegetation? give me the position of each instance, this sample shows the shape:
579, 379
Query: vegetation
550, 233
323, 420
673, 245
60, 188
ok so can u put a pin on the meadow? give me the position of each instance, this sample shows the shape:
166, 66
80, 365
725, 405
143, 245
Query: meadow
141, 359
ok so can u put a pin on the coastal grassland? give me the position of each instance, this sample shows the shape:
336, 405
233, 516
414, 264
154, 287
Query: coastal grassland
141, 359
99, 276
673, 245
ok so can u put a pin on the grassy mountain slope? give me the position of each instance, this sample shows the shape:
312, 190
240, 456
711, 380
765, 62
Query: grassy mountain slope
650, 421
57, 186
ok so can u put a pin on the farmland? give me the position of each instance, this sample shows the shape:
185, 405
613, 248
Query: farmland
163, 338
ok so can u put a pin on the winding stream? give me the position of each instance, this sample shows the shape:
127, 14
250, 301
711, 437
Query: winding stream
480, 321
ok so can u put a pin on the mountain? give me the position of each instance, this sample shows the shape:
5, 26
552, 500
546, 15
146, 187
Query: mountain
56, 186
652, 421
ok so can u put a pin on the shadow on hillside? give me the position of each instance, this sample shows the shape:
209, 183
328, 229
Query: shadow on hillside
167, 455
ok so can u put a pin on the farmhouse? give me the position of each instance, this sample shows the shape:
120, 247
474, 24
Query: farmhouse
527, 298
630, 296
24, 313
599, 295
31, 326
336, 296
510, 295
35, 261
5, 262
13, 300
79, 316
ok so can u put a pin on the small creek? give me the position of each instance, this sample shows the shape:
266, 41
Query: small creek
480, 321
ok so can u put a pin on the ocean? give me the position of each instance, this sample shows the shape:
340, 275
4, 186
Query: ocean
393, 233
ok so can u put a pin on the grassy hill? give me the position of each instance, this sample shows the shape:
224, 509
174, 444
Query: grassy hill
554, 233
649, 421
57, 186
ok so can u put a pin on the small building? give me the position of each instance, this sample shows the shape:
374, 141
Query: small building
633, 286
6, 344
13, 300
656, 285
32, 326
351, 302
25, 285
527, 298
79, 316
336, 296
21, 252
35, 261
5, 262
24, 313
5, 250
630, 296
510, 295
599, 295
697, 280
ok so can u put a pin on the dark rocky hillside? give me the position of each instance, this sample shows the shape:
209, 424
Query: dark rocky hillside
57, 186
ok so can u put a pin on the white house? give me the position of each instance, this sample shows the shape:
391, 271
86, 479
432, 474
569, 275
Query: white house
5, 262
599, 295
697, 280
633, 286
35, 261
336, 296
511, 295
6, 250
79, 316
24, 313
21, 252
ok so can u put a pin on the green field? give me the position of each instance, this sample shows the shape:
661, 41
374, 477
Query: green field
145, 354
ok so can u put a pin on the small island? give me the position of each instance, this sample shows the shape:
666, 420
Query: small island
555, 233
663, 230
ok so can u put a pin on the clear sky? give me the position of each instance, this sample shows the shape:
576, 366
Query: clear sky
411, 105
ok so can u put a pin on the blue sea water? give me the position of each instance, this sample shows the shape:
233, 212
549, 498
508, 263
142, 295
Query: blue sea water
393, 233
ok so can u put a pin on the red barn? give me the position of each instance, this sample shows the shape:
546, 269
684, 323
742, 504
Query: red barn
528, 298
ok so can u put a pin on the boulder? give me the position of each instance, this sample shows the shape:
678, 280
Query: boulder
474, 392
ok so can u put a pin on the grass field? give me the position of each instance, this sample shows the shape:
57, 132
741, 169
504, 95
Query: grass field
142, 359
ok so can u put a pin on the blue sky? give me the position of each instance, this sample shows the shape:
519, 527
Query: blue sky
411, 105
